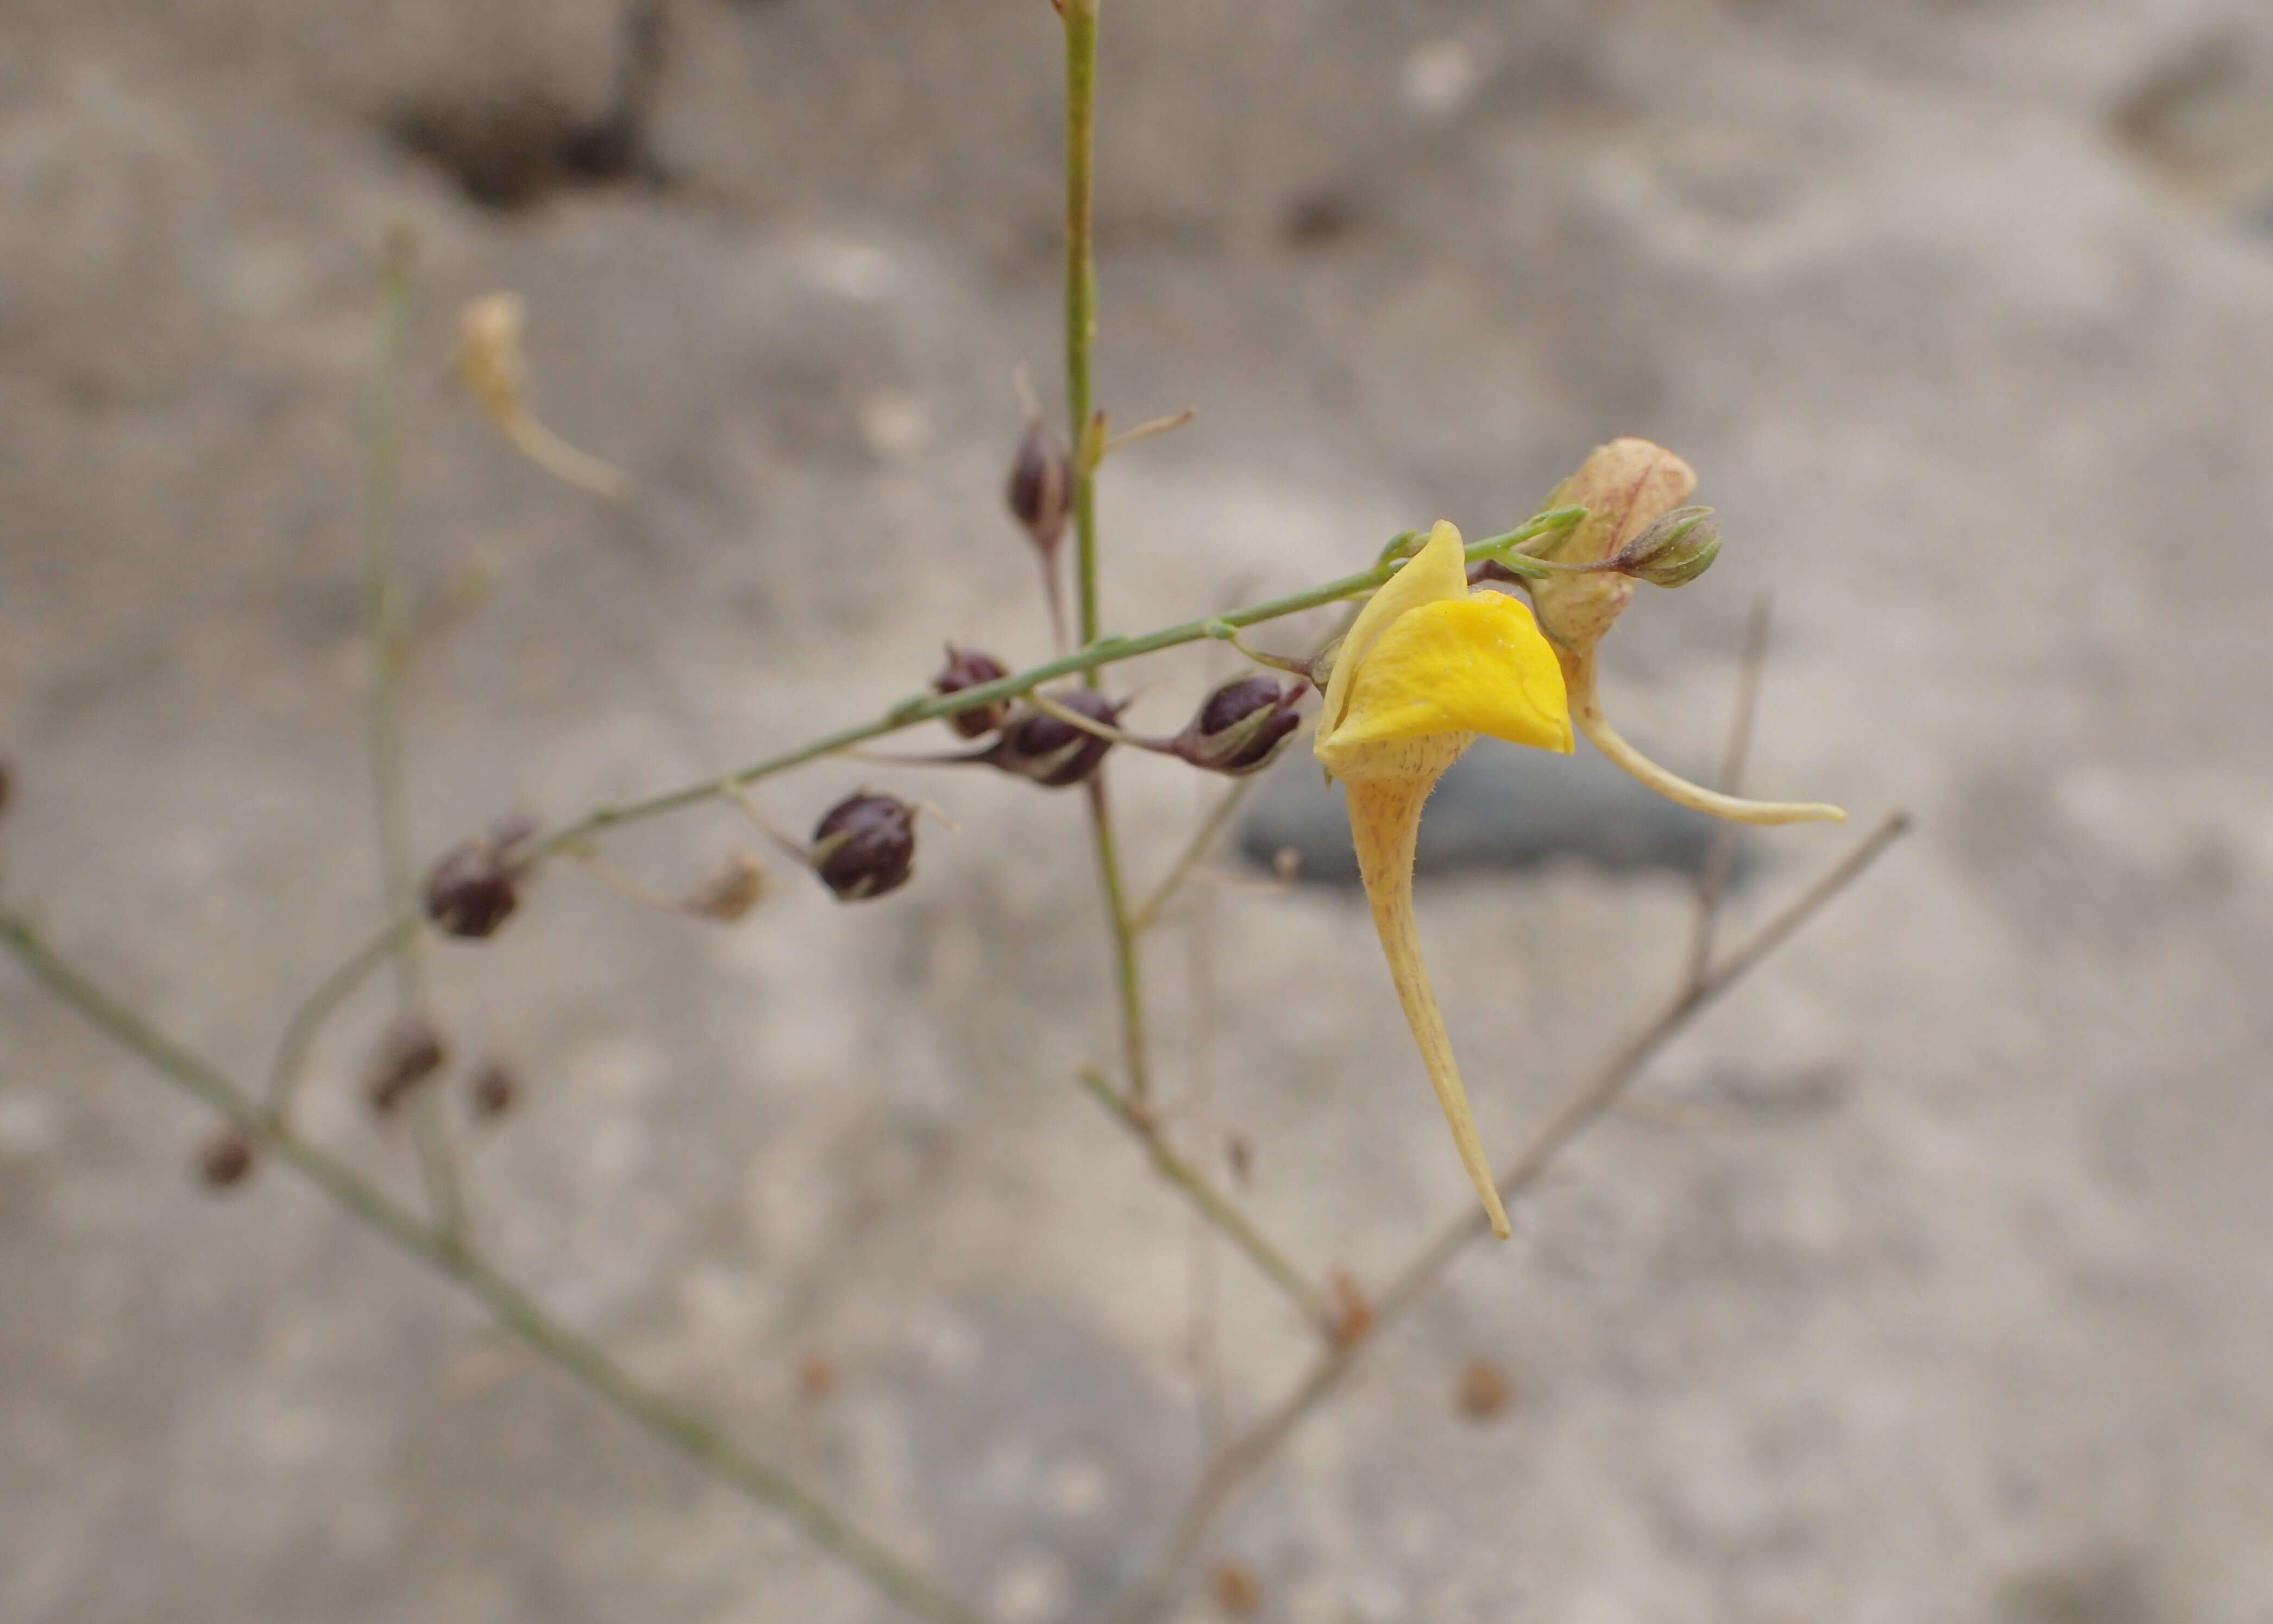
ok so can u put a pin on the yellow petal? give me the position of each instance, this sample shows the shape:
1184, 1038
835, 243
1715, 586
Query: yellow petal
1471, 666
1436, 574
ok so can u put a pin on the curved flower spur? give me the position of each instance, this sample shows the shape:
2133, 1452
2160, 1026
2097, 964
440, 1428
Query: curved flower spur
1428, 665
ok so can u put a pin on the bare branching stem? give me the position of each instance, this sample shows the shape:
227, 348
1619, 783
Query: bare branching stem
307, 1021
440, 1238
508, 1303
1239, 1459
1197, 851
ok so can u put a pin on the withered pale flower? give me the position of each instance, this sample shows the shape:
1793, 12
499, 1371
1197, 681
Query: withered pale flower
1626, 487
1426, 667
491, 366
1429, 666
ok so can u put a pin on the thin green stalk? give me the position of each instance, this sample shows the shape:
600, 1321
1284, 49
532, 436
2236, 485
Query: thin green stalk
1105, 651
390, 644
383, 598
506, 1301
1081, 296
1196, 851
1080, 335
1127, 965
306, 1021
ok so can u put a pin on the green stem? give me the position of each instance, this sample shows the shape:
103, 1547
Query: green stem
1080, 296
1195, 853
1105, 651
308, 1019
390, 643
506, 1301
1128, 964
383, 599
1080, 336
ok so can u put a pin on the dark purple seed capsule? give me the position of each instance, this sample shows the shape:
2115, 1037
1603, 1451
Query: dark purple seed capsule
472, 889
494, 1091
970, 668
1241, 726
225, 1163
865, 847
411, 1051
1040, 491
1050, 750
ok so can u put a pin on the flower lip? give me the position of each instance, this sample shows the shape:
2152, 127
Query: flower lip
1439, 571
1437, 661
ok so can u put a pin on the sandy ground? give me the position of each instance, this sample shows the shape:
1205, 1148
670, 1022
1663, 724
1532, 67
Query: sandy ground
1964, 310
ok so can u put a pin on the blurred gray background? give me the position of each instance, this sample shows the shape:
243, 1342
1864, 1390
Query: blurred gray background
1934, 1281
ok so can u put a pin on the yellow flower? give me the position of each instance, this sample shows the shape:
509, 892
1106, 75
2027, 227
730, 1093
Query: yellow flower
1426, 667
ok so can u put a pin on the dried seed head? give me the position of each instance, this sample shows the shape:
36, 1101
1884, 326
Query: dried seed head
1241, 726
410, 1051
474, 886
494, 1091
7, 785
490, 364
1352, 1309
1237, 1591
1050, 750
738, 886
970, 668
226, 1161
1040, 491
1672, 551
816, 1376
1484, 1390
490, 356
865, 847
